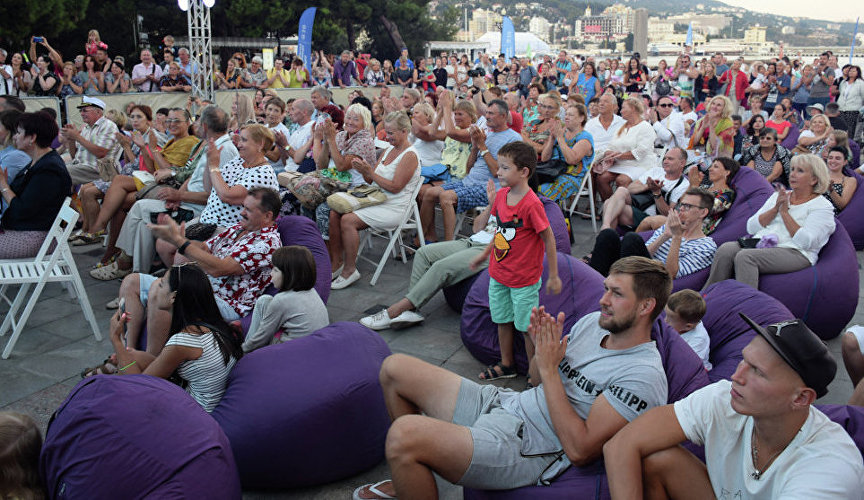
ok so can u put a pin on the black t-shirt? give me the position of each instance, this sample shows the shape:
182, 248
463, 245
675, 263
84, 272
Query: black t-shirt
440, 77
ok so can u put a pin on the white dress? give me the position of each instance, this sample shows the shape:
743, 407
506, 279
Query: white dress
387, 215
638, 140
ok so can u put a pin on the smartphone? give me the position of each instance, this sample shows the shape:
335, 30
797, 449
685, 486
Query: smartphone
38, 39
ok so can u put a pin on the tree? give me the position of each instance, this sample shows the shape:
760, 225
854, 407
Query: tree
22, 19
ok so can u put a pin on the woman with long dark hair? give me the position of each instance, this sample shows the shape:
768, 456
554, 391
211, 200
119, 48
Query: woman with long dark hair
202, 350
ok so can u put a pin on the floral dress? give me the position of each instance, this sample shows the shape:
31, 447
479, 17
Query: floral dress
568, 183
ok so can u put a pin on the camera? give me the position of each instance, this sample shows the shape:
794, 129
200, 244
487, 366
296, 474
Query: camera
476, 72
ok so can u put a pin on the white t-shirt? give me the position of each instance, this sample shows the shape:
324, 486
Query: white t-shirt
822, 461
673, 189
670, 131
428, 152
297, 140
7, 85
700, 342
279, 165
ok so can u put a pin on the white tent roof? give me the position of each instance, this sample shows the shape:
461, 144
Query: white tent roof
523, 41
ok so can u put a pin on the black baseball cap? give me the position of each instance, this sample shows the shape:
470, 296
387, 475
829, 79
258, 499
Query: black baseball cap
802, 350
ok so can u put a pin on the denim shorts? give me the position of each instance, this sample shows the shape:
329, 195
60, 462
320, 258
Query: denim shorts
497, 462
513, 304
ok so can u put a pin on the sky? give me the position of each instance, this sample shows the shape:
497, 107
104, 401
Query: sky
839, 10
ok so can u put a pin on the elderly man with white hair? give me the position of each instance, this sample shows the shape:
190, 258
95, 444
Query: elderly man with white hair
95, 141
146, 74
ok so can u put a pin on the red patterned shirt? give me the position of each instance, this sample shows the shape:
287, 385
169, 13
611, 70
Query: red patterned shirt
253, 251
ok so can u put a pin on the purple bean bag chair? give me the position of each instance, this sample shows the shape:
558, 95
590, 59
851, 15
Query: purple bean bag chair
751, 192
298, 230
852, 217
791, 139
851, 418
729, 333
455, 294
855, 150
824, 295
684, 374
580, 294
309, 411
135, 436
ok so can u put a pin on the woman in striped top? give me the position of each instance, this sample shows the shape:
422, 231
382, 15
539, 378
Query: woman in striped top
202, 351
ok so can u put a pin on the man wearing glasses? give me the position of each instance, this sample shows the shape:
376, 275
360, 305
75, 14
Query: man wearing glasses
669, 126
680, 245
94, 142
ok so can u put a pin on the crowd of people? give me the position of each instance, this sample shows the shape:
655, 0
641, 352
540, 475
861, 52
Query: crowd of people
188, 207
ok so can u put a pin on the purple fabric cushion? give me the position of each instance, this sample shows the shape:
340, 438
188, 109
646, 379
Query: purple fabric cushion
729, 333
824, 295
580, 293
455, 294
297, 230
575, 483
852, 217
135, 436
791, 139
309, 411
751, 192
851, 418
855, 150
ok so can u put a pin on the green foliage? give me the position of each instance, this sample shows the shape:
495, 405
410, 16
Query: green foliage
21, 19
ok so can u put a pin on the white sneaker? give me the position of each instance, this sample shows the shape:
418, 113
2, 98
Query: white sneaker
406, 319
342, 282
378, 321
335, 274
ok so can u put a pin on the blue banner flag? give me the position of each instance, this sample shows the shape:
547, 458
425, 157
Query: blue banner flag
689, 41
508, 38
304, 37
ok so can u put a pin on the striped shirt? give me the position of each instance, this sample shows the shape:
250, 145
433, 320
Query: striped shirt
694, 254
101, 134
208, 375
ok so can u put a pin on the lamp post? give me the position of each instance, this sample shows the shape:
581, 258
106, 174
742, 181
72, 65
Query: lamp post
200, 47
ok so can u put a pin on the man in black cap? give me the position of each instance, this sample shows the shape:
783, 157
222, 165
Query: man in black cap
762, 436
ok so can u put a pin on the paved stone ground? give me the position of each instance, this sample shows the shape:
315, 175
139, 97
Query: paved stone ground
57, 344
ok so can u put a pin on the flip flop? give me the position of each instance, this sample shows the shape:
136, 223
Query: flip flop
106, 368
490, 374
373, 488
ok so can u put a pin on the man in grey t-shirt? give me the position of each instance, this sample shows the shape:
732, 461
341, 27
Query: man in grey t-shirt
592, 382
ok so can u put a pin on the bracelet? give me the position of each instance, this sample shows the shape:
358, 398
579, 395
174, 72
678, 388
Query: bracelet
484, 153
127, 366
215, 170
182, 248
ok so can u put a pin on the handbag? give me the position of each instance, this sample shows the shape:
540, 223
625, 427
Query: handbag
108, 167
355, 199
311, 189
434, 173
642, 200
548, 171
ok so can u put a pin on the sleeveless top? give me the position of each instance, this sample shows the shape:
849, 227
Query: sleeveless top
388, 171
763, 166
837, 188
208, 375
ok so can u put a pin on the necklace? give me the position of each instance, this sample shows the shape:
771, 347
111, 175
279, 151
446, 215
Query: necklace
754, 453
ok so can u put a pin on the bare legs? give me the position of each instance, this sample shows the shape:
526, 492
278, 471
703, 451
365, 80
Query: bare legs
447, 199
605, 180
344, 241
618, 209
854, 361
120, 194
675, 473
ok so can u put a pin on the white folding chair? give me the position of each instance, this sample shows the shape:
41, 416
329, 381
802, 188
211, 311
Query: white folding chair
586, 187
55, 265
470, 215
410, 220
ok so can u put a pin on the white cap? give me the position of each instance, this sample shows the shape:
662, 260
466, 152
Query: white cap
92, 101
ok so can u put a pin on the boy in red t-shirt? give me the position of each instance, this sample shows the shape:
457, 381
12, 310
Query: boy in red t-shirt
516, 260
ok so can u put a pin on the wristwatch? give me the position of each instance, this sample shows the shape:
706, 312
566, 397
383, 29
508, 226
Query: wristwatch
656, 196
484, 153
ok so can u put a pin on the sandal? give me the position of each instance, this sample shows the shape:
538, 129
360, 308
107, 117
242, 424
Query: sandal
106, 368
503, 371
586, 259
373, 488
88, 239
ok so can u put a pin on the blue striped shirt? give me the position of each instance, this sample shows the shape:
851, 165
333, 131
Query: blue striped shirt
694, 254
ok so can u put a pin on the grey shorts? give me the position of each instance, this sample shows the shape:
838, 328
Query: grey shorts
497, 462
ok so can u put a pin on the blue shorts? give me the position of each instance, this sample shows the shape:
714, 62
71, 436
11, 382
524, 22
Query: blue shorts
513, 304
145, 281
467, 197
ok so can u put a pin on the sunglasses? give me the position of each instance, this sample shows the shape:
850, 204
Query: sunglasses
669, 105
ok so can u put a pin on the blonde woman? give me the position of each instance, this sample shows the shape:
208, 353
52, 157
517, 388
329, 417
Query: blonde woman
397, 174
715, 131
242, 112
814, 139
630, 153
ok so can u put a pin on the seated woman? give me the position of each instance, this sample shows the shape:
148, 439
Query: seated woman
769, 158
801, 220
715, 131
117, 80
841, 187
679, 244
536, 132
779, 122
456, 118
839, 139
334, 153
202, 350
716, 181
397, 174
13, 160
813, 139
120, 193
630, 153
174, 81
297, 309
34, 198
428, 146
757, 123
572, 144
